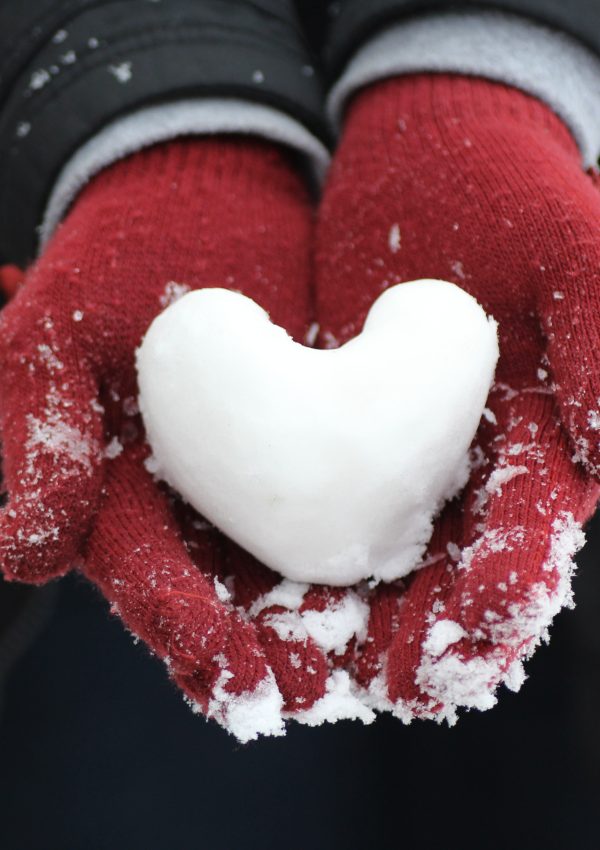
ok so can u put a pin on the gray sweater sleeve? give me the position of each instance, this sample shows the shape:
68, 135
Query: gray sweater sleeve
356, 21
544, 62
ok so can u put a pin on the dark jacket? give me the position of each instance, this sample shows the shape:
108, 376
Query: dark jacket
69, 67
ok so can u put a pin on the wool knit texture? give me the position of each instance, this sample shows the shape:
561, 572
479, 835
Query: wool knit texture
435, 176
223, 211
477, 183
11, 278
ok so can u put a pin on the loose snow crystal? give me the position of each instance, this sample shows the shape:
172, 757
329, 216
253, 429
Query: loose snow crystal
331, 629
341, 702
455, 682
394, 238
441, 635
250, 714
327, 465
122, 72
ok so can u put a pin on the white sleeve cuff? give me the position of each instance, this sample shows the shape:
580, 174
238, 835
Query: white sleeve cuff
543, 62
161, 123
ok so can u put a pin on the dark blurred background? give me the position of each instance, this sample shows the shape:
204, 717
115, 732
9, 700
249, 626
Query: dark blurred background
99, 752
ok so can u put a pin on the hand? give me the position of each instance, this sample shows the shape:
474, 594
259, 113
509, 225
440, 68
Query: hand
188, 214
402, 662
477, 183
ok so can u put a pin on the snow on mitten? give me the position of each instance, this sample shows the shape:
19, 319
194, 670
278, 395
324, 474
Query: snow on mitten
187, 214
477, 183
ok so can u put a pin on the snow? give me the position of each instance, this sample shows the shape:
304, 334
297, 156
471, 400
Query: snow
55, 450
121, 72
341, 702
49, 357
582, 450
39, 79
173, 292
113, 449
456, 682
502, 475
331, 629
37, 538
330, 341
287, 625
289, 594
295, 660
394, 238
441, 635
61, 439
458, 269
594, 420
249, 714
327, 465
448, 678
453, 550
311, 334
334, 627
221, 590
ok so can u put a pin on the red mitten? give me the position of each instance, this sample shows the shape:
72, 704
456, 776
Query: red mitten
11, 278
188, 214
477, 183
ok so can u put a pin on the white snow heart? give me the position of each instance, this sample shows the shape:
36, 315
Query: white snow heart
327, 465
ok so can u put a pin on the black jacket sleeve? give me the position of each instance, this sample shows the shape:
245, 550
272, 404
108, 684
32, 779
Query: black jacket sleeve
69, 67
354, 21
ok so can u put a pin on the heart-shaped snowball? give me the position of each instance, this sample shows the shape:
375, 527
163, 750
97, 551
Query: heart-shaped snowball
328, 466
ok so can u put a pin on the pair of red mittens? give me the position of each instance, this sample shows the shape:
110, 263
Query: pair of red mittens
479, 184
